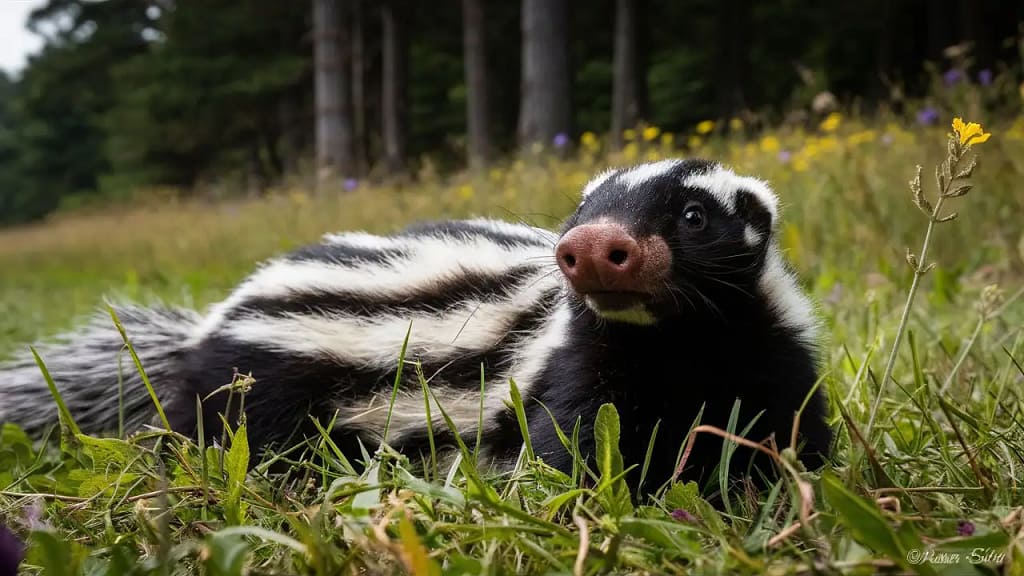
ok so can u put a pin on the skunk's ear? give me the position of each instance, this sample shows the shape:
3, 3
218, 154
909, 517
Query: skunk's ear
758, 210
760, 198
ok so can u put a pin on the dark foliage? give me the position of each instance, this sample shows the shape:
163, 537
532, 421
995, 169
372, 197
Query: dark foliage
128, 95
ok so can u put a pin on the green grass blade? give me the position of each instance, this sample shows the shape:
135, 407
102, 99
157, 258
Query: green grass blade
397, 384
62, 408
138, 366
520, 410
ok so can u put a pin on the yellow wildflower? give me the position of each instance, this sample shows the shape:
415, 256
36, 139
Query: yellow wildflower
831, 122
705, 127
667, 139
695, 142
812, 148
1016, 131
589, 139
735, 124
970, 133
651, 132
861, 137
629, 134
465, 191
769, 144
800, 164
630, 152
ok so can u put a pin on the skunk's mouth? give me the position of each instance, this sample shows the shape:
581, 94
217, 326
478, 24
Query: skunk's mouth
612, 300
624, 307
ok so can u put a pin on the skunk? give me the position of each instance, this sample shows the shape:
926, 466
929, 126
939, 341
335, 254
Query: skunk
665, 294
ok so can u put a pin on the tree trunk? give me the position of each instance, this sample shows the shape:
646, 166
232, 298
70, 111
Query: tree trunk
475, 64
941, 28
732, 56
545, 110
626, 89
393, 72
333, 133
358, 76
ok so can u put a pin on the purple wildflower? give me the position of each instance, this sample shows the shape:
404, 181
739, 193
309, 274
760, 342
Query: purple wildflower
561, 140
927, 116
33, 516
965, 528
12, 551
680, 515
953, 76
785, 156
985, 77
887, 139
350, 184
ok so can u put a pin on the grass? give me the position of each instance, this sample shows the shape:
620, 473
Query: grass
933, 486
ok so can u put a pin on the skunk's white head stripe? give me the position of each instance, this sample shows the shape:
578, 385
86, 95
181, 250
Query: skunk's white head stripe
645, 172
596, 181
723, 184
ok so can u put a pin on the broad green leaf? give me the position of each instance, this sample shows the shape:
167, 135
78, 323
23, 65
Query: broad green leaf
676, 537
93, 483
236, 464
123, 559
869, 527
268, 535
686, 496
993, 539
56, 555
107, 453
613, 494
420, 486
555, 503
225, 554
364, 502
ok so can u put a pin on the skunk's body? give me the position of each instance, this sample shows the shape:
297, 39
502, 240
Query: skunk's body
635, 303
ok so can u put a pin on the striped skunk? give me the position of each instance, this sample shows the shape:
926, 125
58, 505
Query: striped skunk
665, 294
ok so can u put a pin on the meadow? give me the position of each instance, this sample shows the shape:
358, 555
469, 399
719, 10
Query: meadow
933, 485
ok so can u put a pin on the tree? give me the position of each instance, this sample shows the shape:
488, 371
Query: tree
731, 56
66, 92
626, 91
334, 150
545, 109
12, 194
393, 73
357, 76
200, 107
475, 63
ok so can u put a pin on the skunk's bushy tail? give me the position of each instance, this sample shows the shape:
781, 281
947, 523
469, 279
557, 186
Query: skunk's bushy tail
84, 365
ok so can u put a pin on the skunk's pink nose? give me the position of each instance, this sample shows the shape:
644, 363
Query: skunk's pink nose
601, 258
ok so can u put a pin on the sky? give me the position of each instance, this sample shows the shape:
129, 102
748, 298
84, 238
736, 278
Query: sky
16, 42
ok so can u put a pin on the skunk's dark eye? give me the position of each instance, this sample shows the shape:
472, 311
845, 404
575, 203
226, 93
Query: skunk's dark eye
693, 215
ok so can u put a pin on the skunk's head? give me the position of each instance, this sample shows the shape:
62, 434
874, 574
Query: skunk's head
665, 238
